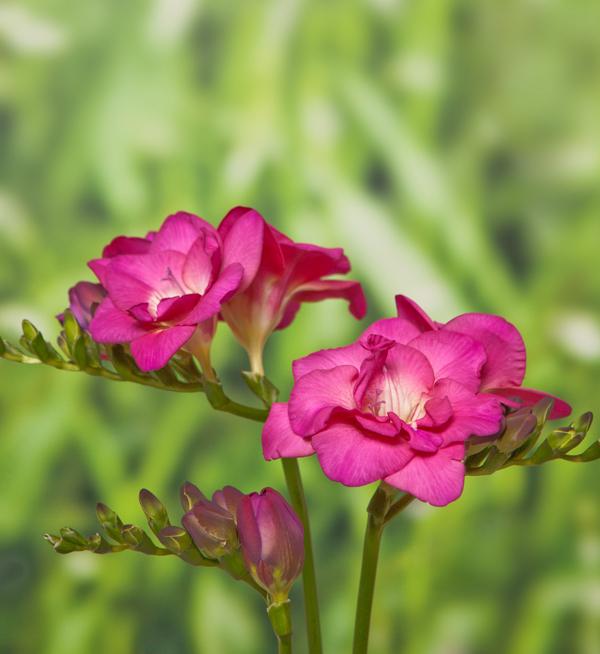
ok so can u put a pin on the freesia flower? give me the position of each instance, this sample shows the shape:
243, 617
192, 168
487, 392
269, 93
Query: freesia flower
169, 292
397, 405
504, 369
279, 275
84, 298
212, 524
272, 541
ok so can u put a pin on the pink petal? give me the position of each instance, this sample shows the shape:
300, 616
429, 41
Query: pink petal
452, 355
349, 456
210, 304
306, 263
411, 311
326, 289
351, 355
133, 279
153, 350
503, 343
317, 394
111, 325
396, 329
180, 231
437, 478
278, 438
473, 414
243, 235
175, 309
99, 268
126, 245
198, 270
408, 374
530, 396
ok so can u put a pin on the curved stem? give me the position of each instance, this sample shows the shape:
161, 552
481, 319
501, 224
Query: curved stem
293, 480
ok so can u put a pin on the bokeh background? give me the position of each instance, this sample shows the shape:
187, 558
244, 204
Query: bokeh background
451, 147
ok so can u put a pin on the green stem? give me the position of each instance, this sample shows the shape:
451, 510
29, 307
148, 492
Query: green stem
293, 480
378, 511
280, 616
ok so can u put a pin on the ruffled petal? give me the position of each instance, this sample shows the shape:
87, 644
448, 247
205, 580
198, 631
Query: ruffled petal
349, 456
436, 478
396, 329
473, 414
349, 355
519, 397
180, 231
111, 325
210, 304
505, 365
153, 350
317, 394
278, 438
453, 356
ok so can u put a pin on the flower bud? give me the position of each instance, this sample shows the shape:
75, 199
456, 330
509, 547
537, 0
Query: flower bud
229, 499
272, 541
189, 495
212, 525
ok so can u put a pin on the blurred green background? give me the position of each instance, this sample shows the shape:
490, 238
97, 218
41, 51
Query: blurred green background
451, 147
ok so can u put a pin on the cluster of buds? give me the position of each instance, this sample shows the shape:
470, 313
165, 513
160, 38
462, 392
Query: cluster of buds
256, 538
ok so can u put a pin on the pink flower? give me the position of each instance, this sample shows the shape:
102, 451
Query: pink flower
504, 370
272, 541
165, 289
397, 405
279, 275
84, 299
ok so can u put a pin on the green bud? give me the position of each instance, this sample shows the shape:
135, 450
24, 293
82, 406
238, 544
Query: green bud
178, 541
110, 521
29, 330
189, 495
519, 427
542, 410
74, 537
563, 439
123, 363
2, 347
138, 539
155, 511
71, 327
166, 376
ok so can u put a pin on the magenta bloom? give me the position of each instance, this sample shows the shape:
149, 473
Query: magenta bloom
84, 299
272, 541
164, 293
398, 405
279, 275
504, 369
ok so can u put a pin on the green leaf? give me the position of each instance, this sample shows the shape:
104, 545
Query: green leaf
71, 327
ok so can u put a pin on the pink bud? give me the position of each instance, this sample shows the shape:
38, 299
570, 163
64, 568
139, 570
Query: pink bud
272, 541
210, 524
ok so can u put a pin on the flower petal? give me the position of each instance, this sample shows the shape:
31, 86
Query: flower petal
325, 289
153, 350
437, 478
180, 231
224, 287
473, 414
505, 365
242, 231
347, 455
317, 394
126, 245
411, 311
349, 355
111, 325
396, 329
279, 440
452, 355
198, 269
530, 396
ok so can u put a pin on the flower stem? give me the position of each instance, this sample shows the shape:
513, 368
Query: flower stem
293, 480
378, 510
281, 621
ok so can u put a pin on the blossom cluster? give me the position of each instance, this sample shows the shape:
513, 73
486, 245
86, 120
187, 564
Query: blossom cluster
400, 405
167, 290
